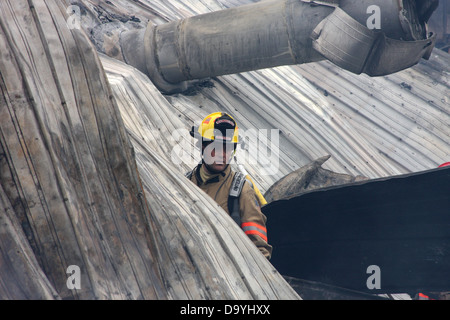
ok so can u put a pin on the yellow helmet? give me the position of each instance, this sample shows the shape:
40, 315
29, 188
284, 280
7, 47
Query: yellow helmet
217, 126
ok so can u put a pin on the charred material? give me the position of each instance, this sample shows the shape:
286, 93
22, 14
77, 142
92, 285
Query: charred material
307, 178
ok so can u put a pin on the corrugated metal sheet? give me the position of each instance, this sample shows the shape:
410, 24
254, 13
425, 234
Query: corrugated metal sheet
182, 213
371, 126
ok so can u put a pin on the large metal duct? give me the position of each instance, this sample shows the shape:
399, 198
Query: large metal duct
375, 37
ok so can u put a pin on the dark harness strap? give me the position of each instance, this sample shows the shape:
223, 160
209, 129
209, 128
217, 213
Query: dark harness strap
233, 198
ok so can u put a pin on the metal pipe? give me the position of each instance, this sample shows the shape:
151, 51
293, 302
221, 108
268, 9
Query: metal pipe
255, 36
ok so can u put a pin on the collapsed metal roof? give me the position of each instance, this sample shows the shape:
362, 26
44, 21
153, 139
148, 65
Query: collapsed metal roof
371, 126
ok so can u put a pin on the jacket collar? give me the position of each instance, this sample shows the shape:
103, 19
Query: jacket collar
221, 176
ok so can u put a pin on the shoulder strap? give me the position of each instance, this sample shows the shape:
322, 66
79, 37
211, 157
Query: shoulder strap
233, 198
237, 184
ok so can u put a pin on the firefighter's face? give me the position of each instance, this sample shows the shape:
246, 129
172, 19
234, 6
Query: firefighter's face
217, 155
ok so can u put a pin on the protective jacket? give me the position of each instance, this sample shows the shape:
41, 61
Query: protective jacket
253, 221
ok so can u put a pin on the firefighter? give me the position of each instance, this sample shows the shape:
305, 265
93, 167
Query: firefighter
218, 138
